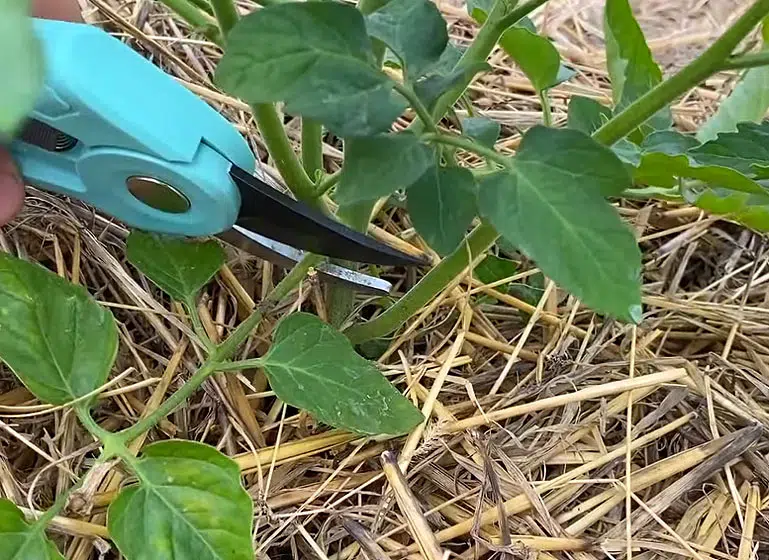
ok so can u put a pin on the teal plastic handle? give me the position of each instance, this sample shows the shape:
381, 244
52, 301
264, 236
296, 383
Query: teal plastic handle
130, 119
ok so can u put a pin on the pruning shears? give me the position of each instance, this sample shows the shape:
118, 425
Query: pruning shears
113, 130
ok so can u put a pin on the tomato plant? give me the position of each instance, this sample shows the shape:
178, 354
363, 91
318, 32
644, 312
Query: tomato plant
352, 70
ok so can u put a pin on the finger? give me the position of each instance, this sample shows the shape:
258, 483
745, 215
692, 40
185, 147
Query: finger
66, 10
11, 189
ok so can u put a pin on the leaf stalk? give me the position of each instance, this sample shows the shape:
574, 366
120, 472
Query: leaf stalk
223, 352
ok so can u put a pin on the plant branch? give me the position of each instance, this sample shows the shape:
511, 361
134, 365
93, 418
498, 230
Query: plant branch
751, 60
519, 13
478, 242
196, 18
499, 19
226, 15
312, 148
469, 145
327, 183
197, 325
417, 105
695, 72
279, 147
223, 352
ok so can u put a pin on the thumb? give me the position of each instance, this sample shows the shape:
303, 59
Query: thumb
11, 188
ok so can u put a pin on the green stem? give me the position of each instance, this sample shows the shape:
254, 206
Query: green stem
327, 183
204, 5
226, 15
417, 105
339, 297
519, 13
312, 148
279, 147
252, 363
479, 51
478, 242
197, 324
218, 358
547, 113
170, 404
227, 348
196, 18
752, 60
469, 145
695, 72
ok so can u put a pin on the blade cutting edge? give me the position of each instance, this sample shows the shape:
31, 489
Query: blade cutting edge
285, 255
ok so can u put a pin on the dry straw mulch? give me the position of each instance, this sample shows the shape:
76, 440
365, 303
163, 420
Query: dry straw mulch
552, 433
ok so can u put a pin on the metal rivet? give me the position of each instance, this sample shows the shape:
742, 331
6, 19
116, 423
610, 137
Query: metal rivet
157, 194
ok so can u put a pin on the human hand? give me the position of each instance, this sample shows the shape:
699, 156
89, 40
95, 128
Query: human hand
11, 183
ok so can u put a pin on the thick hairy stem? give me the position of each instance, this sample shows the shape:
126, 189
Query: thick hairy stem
478, 242
695, 72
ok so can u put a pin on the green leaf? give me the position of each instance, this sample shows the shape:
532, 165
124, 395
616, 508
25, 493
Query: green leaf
483, 130
536, 56
180, 267
53, 335
189, 503
441, 204
587, 115
550, 204
432, 86
493, 268
22, 67
313, 367
632, 68
479, 9
748, 209
413, 29
379, 165
746, 150
449, 59
21, 541
748, 101
317, 58
732, 160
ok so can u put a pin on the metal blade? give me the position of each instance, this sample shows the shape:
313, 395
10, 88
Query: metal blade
281, 218
285, 255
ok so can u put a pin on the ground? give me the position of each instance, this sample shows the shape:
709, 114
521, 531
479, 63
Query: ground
554, 455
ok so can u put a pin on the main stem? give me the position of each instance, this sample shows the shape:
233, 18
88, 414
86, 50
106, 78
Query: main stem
699, 69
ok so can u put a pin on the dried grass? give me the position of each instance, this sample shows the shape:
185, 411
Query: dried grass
562, 436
